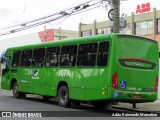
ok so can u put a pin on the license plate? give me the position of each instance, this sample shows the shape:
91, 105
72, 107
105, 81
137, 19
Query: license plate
136, 96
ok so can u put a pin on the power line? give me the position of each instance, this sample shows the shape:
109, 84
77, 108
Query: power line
53, 17
45, 17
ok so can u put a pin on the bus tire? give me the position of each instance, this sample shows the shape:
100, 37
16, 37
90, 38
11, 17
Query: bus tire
63, 96
16, 93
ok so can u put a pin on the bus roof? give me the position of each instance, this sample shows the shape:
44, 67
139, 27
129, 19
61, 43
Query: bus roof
75, 41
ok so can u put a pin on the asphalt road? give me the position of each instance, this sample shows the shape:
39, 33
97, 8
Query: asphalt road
36, 104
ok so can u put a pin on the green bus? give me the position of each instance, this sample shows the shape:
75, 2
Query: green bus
97, 69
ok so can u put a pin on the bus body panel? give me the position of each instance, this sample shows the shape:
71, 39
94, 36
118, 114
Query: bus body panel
90, 84
95, 83
137, 69
48, 83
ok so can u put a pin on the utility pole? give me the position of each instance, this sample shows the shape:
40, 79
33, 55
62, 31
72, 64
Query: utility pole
45, 34
60, 37
116, 7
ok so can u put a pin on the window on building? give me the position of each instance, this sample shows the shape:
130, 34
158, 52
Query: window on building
99, 31
68, 55
52, 56
16, 59
138, 28
158, 26
103, 53
144, 28
87, 54
87, 33
38, 57
104, 30
127, 29
150, 27
26, 58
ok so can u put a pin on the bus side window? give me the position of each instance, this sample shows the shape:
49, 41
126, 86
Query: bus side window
26, 58
103, 53
68, 55
6, 62
38, 57
16, 59
52, 56
87, 54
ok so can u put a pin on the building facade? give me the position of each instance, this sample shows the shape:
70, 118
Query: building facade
146, 24
56, 34
37, 37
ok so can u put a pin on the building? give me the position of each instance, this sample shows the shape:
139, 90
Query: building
37, 37
56, 34
146, 24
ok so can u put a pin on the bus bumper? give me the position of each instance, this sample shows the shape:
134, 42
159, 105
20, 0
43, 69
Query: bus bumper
131, 96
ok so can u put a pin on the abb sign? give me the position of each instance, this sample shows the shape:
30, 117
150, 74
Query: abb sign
143, 8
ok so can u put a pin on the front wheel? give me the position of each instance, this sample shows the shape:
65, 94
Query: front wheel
63, 96
16, 93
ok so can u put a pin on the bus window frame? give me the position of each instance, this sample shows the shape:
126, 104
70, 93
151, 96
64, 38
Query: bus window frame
77, 46
30, 61
108, 58
96, 55
33, 66
19, 58
58, 56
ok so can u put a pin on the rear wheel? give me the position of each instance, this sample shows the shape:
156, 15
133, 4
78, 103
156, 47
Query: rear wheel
63, 96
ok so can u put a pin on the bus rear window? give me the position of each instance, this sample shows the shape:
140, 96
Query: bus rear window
137, 48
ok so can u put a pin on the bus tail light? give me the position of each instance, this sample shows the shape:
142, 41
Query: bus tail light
156, 85
115, 81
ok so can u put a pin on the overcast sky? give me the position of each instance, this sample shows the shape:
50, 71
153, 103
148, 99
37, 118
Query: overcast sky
14, 12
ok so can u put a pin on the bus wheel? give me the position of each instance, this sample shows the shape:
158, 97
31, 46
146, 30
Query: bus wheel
63, 96
16, 93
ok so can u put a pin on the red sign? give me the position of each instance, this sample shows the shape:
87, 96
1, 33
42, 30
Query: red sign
143, 8
49, 35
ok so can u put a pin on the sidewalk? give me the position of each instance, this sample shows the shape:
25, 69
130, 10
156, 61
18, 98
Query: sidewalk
149, 106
